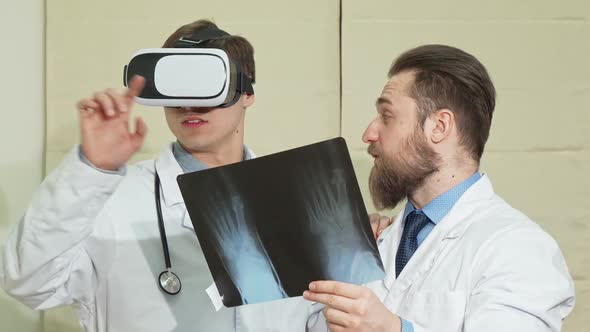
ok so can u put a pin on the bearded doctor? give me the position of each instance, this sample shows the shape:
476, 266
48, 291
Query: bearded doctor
459, 258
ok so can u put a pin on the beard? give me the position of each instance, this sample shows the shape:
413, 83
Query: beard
397, 177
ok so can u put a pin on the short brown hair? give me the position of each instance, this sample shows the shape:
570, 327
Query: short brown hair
447, 77
237, 48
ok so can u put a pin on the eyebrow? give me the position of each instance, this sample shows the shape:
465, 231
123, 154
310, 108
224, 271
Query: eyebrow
382, 100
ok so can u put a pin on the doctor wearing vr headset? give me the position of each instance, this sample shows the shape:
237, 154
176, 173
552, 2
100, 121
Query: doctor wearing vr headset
91, 238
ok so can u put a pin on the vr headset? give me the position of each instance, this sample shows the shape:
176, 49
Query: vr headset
189, 75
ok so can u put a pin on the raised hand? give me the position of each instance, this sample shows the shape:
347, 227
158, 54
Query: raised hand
104, 123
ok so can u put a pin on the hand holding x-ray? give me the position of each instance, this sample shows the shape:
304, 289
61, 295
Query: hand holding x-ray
379, 223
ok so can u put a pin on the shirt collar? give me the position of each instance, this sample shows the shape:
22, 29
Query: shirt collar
188, 163
439, 207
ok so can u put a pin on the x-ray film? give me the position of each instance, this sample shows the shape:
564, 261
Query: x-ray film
271, 225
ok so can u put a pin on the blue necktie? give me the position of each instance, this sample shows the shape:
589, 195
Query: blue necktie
415, 222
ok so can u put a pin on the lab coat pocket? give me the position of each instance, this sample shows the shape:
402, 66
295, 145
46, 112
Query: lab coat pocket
433, 310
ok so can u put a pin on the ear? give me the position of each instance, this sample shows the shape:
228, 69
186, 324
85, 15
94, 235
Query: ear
442, 124
248, 100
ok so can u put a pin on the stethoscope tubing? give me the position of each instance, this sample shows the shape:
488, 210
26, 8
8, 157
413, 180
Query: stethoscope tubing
169, 282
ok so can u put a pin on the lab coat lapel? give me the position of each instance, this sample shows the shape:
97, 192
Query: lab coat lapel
391, 237
168, 169
449, 229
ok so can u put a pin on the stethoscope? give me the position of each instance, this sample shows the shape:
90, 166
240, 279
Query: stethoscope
168, 280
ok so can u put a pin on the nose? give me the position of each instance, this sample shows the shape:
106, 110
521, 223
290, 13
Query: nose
195, 109
371, 133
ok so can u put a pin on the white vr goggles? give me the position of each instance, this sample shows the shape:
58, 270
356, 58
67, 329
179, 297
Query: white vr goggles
188, 75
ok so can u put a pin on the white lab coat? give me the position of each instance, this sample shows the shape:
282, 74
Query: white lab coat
484, 267
91, 240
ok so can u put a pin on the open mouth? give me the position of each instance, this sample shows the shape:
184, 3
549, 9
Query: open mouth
193, 122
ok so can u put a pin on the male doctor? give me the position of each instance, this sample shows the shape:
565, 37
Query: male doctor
458, 258
91, 239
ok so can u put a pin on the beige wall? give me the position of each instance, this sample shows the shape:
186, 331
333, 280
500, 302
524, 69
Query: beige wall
21, 130
536, 52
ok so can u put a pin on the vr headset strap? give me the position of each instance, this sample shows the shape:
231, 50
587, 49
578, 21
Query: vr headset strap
199, 37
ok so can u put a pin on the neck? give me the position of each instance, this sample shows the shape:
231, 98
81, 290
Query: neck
440, 182
229, 151
220, 157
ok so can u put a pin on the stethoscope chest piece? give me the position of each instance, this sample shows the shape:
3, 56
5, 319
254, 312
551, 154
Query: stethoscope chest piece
169, 282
